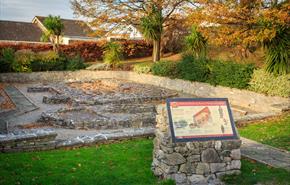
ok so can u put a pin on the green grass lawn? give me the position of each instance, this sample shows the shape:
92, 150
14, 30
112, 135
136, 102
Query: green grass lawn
275, 132
126, 163
120, 163
254, 173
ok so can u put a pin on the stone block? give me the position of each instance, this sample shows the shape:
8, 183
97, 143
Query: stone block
217, 167
210, 155
236, 154
218, 145
168, 169
197, 180
193, 158
179, 178
187, 168
231, 144
202, 169
174, 159
234, 165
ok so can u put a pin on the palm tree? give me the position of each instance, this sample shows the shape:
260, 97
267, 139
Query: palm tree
277, 52
151, 27
196, 44
55, 29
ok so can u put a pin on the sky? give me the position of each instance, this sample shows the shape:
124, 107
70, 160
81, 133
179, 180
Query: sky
25, 10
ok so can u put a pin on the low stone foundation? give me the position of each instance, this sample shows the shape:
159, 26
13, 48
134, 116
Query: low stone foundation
29, 140
192, 162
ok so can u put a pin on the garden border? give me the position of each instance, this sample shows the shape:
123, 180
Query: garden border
244, 98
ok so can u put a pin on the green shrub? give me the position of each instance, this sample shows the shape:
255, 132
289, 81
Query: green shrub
48, 61
165, 68
75, 63
195, 44
142, 68
193, 69
230, 74
7, 60
113, 54
24, 58
270, 84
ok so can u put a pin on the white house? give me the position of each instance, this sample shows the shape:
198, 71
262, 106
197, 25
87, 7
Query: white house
120, 32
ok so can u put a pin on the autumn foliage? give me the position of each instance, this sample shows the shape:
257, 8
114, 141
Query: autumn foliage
90, 51
243, 23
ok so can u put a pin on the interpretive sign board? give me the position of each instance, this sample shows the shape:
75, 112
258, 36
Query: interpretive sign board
200, 119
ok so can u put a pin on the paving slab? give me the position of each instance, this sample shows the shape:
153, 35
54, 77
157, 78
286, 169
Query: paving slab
265, 154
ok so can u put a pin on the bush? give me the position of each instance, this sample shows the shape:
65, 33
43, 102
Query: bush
193, 69
113, 54
165, 68
230, 74
75, 63
48, 61
195, 43
24, 58
7, 60
270, 84
142, 68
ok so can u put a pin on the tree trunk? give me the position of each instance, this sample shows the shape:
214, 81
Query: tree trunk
57, 43
156, 50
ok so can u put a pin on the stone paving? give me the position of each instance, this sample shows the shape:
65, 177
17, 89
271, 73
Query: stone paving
265, 154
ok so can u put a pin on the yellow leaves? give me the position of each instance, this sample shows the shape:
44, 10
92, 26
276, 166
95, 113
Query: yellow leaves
232, 24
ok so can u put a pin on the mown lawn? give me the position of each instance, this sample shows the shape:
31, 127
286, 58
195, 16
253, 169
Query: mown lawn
120, 163
274, 132
127, 163
256, 173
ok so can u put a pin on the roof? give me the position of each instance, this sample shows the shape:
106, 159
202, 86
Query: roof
204, 110
19, 31
74, 28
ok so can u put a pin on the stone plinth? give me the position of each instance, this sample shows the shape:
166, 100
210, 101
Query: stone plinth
192, 162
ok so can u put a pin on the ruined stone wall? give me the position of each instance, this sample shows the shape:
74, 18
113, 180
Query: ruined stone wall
192, 162
254, 101
29, 140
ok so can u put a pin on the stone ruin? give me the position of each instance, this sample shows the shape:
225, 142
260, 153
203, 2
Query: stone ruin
101, 104
192, 162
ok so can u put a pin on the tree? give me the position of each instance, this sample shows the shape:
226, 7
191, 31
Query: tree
106, 14
152, 28
247, 24
55, 29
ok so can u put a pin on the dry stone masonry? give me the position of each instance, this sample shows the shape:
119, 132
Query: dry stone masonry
192, 162
101, 104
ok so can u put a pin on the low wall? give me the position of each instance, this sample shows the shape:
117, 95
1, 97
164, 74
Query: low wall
192, 162
45, 139
30, 140
254, 101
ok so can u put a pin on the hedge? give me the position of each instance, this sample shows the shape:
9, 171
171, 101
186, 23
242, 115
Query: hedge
165, 68
193, 69
89, 51
230, 74
222, 73
27, 61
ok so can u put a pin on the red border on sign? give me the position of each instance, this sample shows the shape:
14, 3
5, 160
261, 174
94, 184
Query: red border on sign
198, 103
